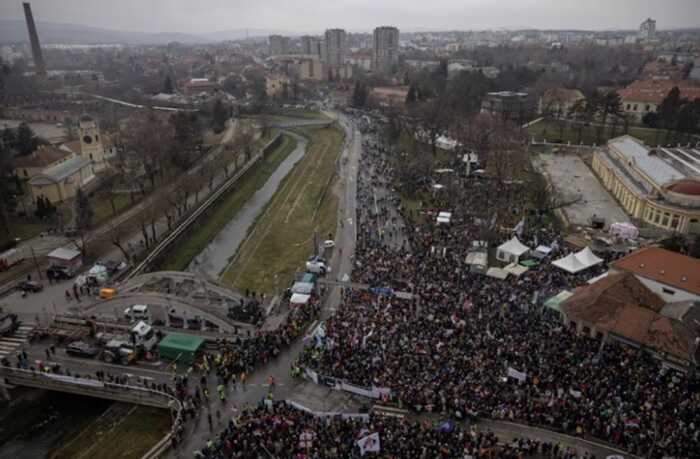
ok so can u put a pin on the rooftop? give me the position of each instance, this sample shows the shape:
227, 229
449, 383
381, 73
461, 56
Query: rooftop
44, 156
60, 171
641, 157
663, 266
655, 91
620, 304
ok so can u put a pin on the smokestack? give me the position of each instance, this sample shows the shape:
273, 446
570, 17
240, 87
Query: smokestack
39, 67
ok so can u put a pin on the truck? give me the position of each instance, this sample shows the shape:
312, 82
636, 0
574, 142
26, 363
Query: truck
10, 258
117, 351
143, 336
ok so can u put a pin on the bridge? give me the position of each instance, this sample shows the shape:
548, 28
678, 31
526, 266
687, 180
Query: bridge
302, 123
93, 388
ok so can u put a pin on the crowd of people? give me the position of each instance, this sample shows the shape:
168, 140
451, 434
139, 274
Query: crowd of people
449, 348
280, 430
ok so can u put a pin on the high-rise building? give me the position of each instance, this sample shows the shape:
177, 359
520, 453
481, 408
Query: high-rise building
647, 30
386, 49
311, 46
336, 47
39, 67
279, 45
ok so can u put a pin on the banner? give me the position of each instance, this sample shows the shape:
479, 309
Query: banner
515, 374
369, 444
312, 375
357, 390
74, 380
380, 392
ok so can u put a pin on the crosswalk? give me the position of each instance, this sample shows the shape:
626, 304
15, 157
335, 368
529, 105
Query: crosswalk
14, 342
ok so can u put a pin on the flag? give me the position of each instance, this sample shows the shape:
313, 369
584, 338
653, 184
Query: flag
520, 227
369, 444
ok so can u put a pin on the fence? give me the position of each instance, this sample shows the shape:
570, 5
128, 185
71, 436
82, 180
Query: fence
340, 384
101, 389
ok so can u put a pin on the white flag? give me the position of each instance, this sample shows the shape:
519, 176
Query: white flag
369, 444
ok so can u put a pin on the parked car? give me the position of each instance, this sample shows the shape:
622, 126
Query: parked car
81, 349
59, 272
30, 286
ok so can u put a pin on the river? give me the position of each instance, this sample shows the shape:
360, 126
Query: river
215, 258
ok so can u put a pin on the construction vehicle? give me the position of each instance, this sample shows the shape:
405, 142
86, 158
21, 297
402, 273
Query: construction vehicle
119, 352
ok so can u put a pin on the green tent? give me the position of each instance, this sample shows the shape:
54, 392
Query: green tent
554, 301
180, 347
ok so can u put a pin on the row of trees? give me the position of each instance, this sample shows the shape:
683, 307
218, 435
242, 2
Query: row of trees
21, 140
678, 117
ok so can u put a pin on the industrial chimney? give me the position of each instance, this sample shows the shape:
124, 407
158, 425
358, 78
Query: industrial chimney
39, 67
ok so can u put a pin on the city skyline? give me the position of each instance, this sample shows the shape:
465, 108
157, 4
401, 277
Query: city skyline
211, 16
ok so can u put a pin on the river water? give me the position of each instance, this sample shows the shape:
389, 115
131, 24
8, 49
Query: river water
215, 258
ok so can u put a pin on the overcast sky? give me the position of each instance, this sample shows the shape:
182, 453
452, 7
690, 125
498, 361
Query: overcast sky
202, 16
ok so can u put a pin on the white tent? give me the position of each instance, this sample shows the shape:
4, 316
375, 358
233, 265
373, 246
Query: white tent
497, 273
624, 230
516, 269
511, 251
303, 287
299, 298
570, 264
588, 258
575, 262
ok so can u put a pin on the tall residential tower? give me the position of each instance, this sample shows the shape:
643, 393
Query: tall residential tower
335, 47
385, 57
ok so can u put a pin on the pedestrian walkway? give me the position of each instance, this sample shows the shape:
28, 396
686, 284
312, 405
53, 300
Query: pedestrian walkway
14, 342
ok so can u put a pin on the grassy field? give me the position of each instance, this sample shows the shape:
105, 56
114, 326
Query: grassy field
562, 131
185, 252
102, 207
282, 238
130, 436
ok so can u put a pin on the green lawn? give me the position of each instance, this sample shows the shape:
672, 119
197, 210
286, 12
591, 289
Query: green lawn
184, 252
130, 436
102, 207
563, 131
282, 238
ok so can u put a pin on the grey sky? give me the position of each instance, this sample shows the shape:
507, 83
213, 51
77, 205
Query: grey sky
202, 16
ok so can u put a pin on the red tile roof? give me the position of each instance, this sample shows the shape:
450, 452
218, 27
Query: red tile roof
44, 156
74, 146
664, 266
655, 91
622, 305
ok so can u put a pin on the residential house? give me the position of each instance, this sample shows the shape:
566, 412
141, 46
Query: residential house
559, 101
672, 276
644, 96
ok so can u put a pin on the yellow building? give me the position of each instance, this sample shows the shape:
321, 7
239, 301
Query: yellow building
659, 186
61, 182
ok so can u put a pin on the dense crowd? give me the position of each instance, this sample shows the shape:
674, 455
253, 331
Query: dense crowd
279, 430
448, 350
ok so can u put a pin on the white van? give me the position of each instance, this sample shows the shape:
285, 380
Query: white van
137, 312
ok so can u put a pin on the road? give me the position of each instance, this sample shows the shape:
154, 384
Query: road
53, 298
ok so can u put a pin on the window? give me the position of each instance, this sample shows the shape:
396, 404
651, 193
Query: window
664, 222
675, 221
635, 107
668, 291
657, 216
25, 173
646, 109
628, 107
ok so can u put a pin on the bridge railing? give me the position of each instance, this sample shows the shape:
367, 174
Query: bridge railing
95, 387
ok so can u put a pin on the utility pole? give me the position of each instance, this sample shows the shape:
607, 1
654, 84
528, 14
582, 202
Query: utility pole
36, 263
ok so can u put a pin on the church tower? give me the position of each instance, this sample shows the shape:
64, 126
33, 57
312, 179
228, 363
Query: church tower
91, 145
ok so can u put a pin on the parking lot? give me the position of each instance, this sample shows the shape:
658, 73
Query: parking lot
573, 180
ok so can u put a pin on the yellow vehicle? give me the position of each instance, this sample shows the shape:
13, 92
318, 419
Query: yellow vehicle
107, 293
